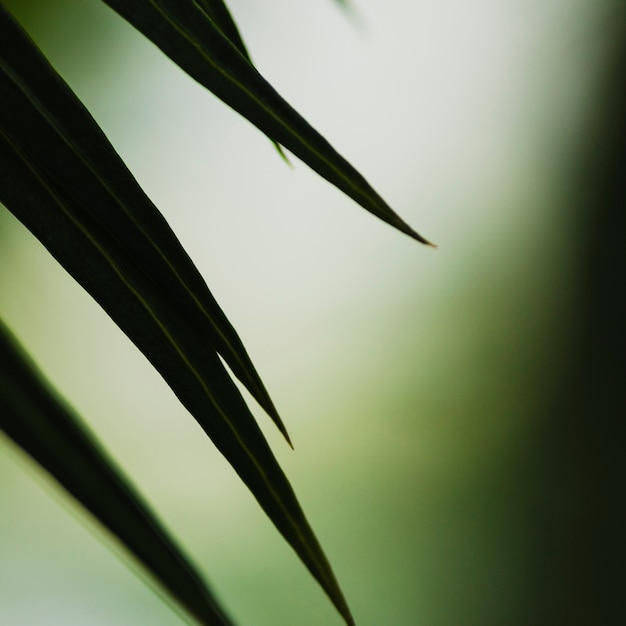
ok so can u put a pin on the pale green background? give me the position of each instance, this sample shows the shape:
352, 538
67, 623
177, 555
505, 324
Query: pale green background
412, 381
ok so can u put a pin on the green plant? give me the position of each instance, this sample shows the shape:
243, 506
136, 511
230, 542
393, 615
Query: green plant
63, 180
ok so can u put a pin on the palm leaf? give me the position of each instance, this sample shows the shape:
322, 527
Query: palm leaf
47, 120
37, 421
63, 180
188, 33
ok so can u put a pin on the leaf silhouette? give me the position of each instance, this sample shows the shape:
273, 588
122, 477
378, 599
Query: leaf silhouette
188, 33
60, 176
37, 421
42, 115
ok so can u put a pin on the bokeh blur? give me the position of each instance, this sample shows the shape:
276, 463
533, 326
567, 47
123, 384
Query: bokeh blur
437, 399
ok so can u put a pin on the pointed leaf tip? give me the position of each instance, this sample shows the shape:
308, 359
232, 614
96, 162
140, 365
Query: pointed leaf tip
402, 226
415, 235
203, 41
421, 239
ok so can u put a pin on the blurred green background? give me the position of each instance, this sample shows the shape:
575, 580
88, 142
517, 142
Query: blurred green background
424, 390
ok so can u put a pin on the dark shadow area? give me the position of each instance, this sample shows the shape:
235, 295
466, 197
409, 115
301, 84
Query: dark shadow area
581, 579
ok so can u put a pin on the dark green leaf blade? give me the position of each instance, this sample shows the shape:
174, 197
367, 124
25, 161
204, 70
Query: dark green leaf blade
31, 84
196, 376
38, 422
65, 190
218, 12
188, 35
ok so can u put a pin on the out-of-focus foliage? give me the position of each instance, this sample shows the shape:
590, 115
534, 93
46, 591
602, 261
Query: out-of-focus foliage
583, 458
